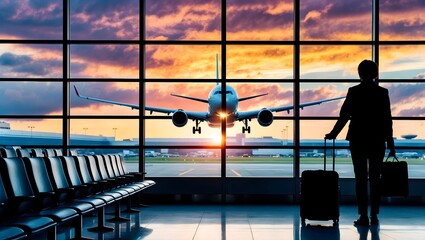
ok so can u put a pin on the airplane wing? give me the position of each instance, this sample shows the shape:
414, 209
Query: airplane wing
133, 106
191, 115
253, 114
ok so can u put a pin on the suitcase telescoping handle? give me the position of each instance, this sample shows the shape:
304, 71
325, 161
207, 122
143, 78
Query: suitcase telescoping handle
333, 155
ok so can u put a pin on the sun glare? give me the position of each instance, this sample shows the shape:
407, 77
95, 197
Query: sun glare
216, 138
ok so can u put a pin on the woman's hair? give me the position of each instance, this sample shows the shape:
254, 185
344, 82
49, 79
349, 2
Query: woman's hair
368, 70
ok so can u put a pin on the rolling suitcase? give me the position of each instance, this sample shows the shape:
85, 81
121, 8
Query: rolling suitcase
319, 199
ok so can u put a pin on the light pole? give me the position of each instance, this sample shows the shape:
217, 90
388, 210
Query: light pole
85, 130
31, 127
115, 132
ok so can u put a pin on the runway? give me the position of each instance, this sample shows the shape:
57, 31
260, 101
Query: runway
249, 170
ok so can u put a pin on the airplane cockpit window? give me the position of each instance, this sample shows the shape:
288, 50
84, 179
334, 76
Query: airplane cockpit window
218, 92
229, 92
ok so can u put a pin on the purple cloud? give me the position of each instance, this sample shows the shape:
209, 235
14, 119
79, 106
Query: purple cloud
100, 19
30, 98
35, 19
13, 65
105, 90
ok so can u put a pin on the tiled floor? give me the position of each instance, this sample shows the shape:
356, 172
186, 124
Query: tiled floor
242, 222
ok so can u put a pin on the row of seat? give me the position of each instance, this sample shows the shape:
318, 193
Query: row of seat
37, 194
32, 152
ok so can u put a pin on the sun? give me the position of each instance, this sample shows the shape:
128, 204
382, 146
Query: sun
216, 138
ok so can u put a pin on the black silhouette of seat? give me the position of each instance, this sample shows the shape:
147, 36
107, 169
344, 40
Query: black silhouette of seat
18, 227
21, 152
138, 176
37, 152
7, 152
11, 232
48, 152
58, 152
23, 198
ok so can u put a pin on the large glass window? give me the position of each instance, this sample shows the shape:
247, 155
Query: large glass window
144, 79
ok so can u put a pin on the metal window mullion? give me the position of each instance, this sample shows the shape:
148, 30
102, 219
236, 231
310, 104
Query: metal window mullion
142, 95
65, 78
296, 96
375, 32
223, 100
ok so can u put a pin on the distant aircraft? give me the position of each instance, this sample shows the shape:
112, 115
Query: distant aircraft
214, 114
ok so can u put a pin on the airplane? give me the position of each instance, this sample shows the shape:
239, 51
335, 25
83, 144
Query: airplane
214, 115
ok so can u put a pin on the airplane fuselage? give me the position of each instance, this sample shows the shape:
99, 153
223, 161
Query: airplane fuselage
215, 111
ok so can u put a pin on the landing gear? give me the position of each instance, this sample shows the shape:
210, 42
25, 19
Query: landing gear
246, 128
196, 128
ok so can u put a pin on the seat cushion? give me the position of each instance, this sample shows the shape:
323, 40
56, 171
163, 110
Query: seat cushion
80, 207
11, 232
59, 214
32, 224
95, 201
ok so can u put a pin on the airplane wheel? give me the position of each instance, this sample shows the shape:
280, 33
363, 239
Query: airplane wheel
249, 129
199, 130
193, 130
243, 129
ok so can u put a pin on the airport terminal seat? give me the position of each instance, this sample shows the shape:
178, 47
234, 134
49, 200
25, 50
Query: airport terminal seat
22, 202
58, 152
22, 152
48, 152
37, 152
11, 232
7, 152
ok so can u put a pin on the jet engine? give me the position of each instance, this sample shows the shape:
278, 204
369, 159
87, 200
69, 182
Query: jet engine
265, 117
179, 118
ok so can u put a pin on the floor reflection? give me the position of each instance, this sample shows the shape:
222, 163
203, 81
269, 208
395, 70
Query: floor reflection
228, 222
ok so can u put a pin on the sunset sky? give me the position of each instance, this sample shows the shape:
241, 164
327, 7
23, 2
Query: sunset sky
201, 20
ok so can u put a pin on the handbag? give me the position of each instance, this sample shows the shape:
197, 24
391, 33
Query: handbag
394, 178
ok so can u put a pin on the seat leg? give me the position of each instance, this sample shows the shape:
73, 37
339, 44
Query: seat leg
79, 229
101, 222
129, 209
51, 233
118, 217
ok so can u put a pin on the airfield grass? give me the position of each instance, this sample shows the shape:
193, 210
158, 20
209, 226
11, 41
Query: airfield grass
253, 160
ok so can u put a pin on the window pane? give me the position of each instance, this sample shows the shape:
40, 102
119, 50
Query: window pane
104, 19
182, 162
400, 20
313, 158
336, 20
402, 62
259, 62
278, 95
312, 132
30, 61
118, 92
159, 95
162, 132
182, 61
332, 62
259, 20
311, 92
105, 132
279, 133
31, 98
259, 162
407, 99
104, 61
22, 132
32, 19
183, 20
